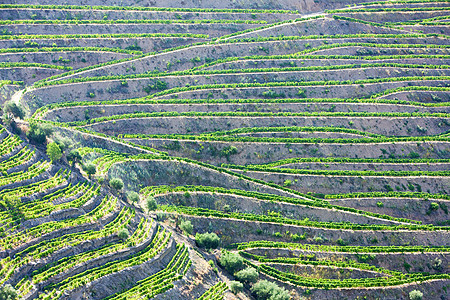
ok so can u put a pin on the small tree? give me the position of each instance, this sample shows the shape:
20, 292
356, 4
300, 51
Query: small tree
236, 287
187, 227
13, 109
151, 203
248, 274
132, 197
207, 240
116, 183
7, 292
54, 152
39, 132
90, 169
231, 262
415, 295
265, 289
123, 234
74, 156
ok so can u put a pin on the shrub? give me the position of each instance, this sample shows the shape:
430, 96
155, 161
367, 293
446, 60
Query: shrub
236, 287
265, 289
301, 93
213, 266
116, 183
434, 206
54, 151
437, 264
231, 261
14, 109
64, 142
90, 169
132, 197
287, 183
7, 292
415, 295
229, 150
248, 274
39, 132
151, 203
380, 204
207, 240
341, 242
295, 237
187, 227
75, 156
123, 234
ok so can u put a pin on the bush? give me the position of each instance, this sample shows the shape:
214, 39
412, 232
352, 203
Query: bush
265, 289
123, 234
90, 169
54, 152
39, 132
64, 142
287, 183
236, 287
434, 206
231, 262
207, 240
415, 295
14, 109
75, 156
151, 203
116, 183
248, 274
187, 227
132, 197
7, 292
229, 150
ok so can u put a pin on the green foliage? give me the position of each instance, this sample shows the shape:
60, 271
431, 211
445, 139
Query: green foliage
207, 240
151, 203
54, 152
132, 196
158, 85
434, 206
267, 197
99, 36
215, 292
39, 132
69, 49
415, 295
162, 86
287, 183
266, 290
345, 249
195, 211
228, 151
7, 292
131, 21
75, 156
123, 234
272, 94
187, 227
248, 274
232, 262
15, 109
236, 286
116, 183
90, 169
146, 8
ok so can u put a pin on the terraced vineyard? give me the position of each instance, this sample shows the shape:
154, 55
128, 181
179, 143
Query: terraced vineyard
225, 149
